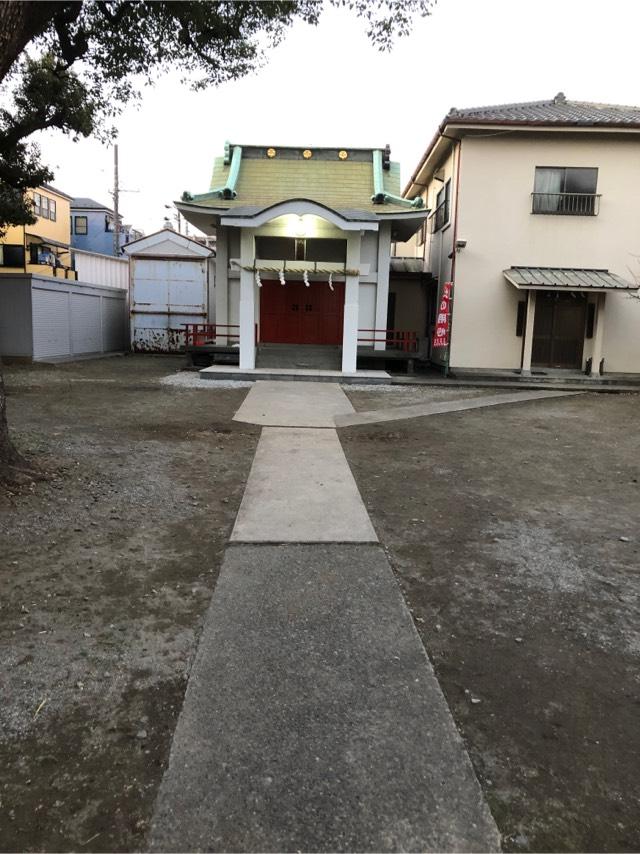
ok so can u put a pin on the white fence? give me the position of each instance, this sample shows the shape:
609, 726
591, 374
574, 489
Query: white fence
104, 270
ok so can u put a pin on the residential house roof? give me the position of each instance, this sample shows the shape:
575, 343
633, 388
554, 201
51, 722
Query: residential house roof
557, 111
87, 204
52, 189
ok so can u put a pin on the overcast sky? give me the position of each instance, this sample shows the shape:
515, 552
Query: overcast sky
326, 85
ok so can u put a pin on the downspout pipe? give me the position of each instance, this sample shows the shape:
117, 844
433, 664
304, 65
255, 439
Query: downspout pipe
455, 253
378, 181
229, 189
379, 196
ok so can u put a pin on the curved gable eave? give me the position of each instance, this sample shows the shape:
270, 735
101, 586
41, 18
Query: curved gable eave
300, 207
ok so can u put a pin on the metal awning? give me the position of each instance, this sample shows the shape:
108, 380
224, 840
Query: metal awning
566, 279
47, 241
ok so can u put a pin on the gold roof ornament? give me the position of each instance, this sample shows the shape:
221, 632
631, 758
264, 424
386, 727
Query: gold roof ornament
271, 152
307, 154
342, 154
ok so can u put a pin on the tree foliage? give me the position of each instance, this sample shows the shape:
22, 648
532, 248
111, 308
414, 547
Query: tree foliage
72, 66
88, 58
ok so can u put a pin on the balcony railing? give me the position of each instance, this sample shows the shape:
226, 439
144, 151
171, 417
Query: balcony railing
566, 204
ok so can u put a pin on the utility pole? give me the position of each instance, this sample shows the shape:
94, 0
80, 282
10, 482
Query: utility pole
116, 204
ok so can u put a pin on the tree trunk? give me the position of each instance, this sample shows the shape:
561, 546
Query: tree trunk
13, 466
20, 23
8, 453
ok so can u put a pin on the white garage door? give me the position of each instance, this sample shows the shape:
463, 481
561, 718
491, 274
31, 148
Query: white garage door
51, 332
165, 295
86, 331
70, 322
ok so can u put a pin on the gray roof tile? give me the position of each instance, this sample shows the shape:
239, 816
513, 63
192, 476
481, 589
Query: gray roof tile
89, 204
558, 110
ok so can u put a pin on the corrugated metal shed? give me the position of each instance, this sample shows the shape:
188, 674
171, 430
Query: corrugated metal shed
45, 318
567, 278
170, 280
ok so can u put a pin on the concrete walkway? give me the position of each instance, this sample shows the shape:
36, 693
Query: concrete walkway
299, 404
415, 410
301, 490
313, 720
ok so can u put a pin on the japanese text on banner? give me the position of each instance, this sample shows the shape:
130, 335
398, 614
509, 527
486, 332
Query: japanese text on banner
441, 330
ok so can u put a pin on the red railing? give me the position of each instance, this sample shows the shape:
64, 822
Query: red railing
220, 334
201, 334
393, 339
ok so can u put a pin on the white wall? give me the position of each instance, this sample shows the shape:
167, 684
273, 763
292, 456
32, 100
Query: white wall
369, 250
497, 176
367, 308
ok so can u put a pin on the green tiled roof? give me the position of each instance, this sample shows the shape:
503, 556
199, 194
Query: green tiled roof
334, 183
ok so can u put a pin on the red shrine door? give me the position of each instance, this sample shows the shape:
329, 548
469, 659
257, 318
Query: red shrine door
296, 314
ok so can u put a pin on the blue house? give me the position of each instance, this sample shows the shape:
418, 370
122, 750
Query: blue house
92, 227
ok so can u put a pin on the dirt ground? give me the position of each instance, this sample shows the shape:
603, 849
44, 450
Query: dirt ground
513, 531
514, 535
106, 570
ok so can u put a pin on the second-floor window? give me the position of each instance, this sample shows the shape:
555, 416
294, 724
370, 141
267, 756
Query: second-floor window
568, 190
443, 205
80, 224
44, 207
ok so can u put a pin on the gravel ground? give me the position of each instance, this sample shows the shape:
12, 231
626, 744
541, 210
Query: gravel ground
106, 570
514, 535
192, 379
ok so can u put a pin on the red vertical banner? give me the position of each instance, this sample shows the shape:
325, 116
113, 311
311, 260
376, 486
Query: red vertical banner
443, 318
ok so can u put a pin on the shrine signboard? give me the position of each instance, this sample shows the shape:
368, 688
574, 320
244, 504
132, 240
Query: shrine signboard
443, 325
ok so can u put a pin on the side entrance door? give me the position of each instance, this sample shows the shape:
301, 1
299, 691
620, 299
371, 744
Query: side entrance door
296, 314
558, 330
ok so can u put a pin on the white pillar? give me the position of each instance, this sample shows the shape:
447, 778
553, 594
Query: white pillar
527, 344
382, 285
247, 302
598, 337
351, 305
221, 313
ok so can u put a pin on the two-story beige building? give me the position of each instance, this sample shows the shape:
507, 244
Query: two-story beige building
535, 219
